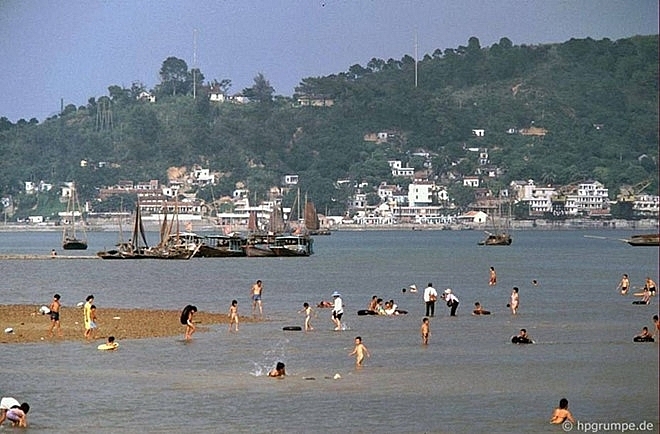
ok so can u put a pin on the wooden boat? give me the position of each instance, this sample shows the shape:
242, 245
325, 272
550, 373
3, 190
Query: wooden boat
222, 246
170, 246
644, 240
136, 246
292, 245
258, 245
312, 223
70, 238
500, 239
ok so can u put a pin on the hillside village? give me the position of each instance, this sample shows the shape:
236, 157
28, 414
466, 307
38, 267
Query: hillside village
420, 199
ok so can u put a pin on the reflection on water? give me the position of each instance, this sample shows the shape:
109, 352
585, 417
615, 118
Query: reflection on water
468, 379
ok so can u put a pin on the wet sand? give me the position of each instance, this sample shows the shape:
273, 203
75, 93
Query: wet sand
29, 325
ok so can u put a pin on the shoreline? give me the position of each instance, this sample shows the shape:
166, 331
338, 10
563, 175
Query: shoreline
30, 326
515, 225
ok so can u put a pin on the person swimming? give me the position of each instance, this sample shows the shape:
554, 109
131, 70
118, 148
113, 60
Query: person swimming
278, 371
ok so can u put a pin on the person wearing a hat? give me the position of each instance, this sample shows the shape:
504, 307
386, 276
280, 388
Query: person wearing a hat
337, 310
452, 301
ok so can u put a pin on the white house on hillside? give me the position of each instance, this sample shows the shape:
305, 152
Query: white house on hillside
591, 199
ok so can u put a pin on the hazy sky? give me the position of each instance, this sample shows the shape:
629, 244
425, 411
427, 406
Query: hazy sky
73, 50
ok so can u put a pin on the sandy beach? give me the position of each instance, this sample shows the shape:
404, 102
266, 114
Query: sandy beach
29, 325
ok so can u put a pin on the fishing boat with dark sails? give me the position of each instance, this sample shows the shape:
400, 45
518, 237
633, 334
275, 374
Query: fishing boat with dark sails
72, 239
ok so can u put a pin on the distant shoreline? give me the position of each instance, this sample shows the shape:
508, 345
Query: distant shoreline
645, 225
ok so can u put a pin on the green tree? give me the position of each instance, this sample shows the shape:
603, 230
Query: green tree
174, 76
261, 91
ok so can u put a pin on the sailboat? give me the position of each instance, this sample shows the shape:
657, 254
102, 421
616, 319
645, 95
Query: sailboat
70, 238
312, 223
500, 237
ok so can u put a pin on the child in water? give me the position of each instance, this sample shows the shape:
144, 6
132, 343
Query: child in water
359, 351
307, 310
233, 314
562, 413
425, 331
278, 370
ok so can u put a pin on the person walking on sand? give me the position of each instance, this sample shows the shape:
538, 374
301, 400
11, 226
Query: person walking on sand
87, 316
430, 297
54, 308
624, 284
492, 281
307, 310
337, 310
515, 300
425, 330
233, 314
256, 292
359, 351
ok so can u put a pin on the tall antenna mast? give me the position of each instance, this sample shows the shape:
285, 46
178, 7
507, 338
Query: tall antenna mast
194, 71
415, 58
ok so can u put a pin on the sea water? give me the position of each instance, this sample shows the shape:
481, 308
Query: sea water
470, 378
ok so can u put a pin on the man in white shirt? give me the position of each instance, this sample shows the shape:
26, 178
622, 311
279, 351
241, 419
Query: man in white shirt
430, 296
337, 310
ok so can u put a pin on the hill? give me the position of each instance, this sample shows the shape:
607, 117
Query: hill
592, 106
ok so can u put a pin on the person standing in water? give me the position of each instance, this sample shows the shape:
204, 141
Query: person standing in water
307, 310
624, 284
492, 281
515, 301
233, 315
359, 351
256, 291
425, 330
562, 413
430, 296
337, 310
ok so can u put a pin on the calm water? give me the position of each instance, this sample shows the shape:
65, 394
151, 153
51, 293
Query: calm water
468, 379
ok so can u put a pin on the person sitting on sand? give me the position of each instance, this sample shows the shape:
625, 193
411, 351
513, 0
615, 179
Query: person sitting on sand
278, 370
562, 413
479, 310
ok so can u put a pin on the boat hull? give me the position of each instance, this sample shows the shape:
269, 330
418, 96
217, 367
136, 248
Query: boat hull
652, 240
74, 245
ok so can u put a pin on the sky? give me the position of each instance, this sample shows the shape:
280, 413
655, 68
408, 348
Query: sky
68, 51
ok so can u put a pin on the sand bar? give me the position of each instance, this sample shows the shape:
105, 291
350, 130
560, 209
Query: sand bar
29, 325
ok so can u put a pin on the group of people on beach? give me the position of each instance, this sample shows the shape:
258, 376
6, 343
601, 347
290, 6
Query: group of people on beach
89, 317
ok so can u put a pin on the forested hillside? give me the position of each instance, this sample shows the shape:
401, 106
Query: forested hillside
597, 100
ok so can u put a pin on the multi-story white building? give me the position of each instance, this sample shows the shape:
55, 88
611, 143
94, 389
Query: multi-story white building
399, 171
590, 199
538, 199
421, 193
646, 205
